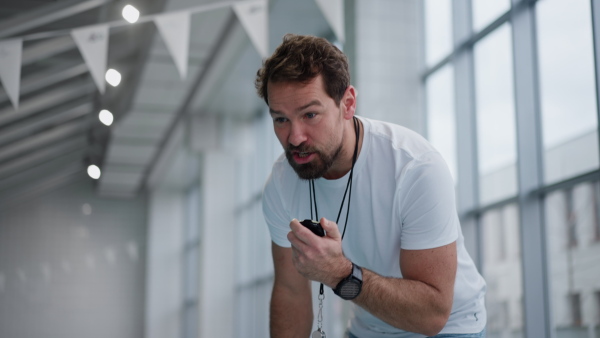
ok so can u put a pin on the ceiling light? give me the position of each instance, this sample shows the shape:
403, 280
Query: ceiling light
131, 14
106, 117
113, 77
93, 171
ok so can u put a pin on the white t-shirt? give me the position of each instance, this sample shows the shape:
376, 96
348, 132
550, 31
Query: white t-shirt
402, 198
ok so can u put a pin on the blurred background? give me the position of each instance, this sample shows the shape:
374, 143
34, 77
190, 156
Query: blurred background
144, 220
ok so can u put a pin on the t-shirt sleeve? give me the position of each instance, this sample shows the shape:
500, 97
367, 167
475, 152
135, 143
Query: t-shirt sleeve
276, 214
428, 208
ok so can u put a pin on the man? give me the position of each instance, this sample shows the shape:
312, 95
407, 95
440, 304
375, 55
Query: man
402, 260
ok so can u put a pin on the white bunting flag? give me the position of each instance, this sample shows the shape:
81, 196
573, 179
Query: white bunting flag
10, 68
254, 19
175, 31
333, 10
93, 45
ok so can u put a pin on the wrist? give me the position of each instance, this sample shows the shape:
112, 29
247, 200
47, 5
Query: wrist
345, 268
350, 287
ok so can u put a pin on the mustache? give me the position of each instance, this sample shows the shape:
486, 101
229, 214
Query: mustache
302, 148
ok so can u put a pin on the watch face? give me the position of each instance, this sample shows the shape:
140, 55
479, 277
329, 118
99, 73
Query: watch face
350, 289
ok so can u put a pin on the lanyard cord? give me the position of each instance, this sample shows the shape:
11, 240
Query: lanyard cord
348, 191
313, 196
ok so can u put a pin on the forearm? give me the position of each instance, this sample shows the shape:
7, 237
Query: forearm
291, 314
407, 304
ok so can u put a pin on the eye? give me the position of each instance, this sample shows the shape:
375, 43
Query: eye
311, 115
279, 120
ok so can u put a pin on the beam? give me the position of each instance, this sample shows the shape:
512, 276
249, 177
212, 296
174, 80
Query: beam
45, 15
47, 48
58, 118
43, 139
46, 100
42, 156
47, 78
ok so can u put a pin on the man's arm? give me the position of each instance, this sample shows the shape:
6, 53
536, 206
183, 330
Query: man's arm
420, 302
291, 303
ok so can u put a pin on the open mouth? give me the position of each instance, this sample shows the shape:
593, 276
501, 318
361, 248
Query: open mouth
303, 157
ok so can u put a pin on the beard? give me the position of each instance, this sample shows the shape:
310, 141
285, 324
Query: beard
315, 169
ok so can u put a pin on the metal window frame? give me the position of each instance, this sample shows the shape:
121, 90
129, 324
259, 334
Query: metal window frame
532, 189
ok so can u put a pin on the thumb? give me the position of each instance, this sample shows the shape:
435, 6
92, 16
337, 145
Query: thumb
331, 229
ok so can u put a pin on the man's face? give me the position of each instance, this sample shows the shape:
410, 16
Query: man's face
308, 124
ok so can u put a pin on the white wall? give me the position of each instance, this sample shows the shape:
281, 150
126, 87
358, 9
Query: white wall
72, 265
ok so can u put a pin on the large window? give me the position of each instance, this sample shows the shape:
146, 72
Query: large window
568, 91
438, 30
521, 83
502, 271
441, 119
485, 11
573, 258
496, 133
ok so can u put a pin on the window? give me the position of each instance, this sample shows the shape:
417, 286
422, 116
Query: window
441, 119
502, 270
496, 129
485, 12
438, 30
567, 88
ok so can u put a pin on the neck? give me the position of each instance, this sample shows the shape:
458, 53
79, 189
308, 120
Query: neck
347, 153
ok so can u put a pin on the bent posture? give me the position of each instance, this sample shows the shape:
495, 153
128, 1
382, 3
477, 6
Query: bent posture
393, 244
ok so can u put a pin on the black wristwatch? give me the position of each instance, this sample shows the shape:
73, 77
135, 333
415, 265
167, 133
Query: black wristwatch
350, 287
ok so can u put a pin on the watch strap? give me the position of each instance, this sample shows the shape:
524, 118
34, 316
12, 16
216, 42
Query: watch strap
350, 287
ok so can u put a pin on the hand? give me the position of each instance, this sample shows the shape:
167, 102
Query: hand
319, 258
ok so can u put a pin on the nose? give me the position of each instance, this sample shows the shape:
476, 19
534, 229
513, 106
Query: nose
297, 134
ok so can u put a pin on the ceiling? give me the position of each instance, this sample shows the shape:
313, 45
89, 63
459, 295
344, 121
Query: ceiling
55, 134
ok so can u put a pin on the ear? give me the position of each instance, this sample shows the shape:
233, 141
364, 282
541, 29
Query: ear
348, 102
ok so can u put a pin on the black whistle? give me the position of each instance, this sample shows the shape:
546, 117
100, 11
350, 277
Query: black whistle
313, 226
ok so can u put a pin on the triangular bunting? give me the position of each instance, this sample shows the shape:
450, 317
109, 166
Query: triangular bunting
254, 19
93, 45
333, 10
10, 68
175, 31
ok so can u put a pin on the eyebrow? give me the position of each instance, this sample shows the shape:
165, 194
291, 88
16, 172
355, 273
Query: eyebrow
311, 103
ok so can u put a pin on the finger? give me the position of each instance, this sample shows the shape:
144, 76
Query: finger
301, 232
297, 243
331, 229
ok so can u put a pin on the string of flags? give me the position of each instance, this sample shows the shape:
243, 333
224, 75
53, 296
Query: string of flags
174, 29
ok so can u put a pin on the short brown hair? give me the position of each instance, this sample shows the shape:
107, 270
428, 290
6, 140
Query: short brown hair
301, 58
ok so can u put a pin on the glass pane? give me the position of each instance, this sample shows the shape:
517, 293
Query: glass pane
438, 30
486, 11
441, 119
573, 250
568, 91
496, 129
502, 272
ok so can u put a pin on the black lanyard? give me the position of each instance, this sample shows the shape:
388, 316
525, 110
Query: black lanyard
313, 196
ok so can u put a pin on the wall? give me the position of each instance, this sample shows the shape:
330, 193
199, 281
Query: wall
72, 265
